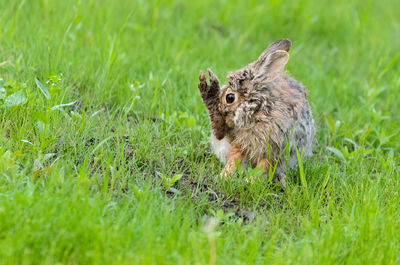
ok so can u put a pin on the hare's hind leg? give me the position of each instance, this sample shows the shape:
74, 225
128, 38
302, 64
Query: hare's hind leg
280, 179
235, 154
264, 164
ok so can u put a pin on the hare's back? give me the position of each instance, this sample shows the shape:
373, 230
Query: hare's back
290, 91
293, 112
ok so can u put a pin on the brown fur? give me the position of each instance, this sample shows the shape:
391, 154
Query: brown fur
235, 155
210, 94
270, 110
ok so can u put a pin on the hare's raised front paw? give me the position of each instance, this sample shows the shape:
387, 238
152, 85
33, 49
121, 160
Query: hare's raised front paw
208, 91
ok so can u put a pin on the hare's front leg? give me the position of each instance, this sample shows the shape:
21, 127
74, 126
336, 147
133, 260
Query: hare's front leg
235, 154
210, 96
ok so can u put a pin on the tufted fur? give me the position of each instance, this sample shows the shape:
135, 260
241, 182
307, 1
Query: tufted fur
269, 117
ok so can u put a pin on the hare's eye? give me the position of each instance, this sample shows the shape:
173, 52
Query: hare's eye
230, 98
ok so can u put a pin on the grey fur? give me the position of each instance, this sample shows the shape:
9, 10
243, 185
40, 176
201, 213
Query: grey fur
270, 110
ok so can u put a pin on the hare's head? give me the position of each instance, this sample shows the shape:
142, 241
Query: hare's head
248, 88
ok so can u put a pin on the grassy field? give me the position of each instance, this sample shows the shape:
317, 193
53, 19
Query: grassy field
104, 140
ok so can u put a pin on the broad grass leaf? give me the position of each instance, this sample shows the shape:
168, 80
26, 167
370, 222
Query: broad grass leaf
43, 128
63, 105
2, 93
337, 152
43, 89
2, 89
26, 141
330, 122
176, 178
16, 99
48, 156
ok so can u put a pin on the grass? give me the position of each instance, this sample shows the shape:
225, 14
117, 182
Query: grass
122, 174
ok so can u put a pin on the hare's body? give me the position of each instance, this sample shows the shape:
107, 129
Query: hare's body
282, 122
262, 115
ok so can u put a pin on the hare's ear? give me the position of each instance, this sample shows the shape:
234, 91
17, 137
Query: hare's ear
283, 45
273, 65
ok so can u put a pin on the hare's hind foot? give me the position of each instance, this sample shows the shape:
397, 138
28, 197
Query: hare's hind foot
265, 165
280, 179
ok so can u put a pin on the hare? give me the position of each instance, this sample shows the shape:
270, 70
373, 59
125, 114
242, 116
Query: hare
260, 116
